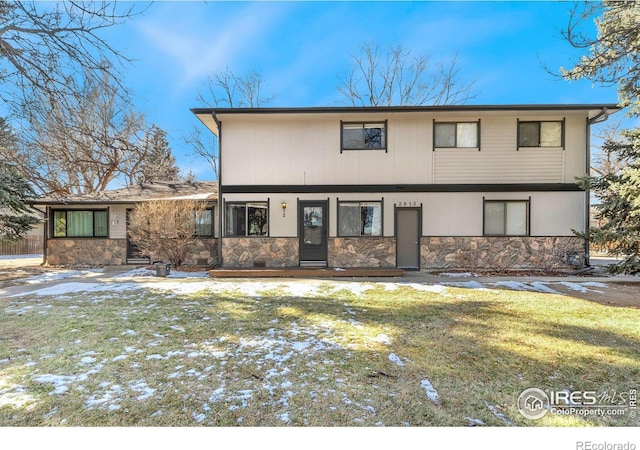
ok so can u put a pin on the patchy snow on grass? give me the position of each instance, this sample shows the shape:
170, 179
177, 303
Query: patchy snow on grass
145, 272
474, 422
467, 285
431, 392
383, 339
395, 359
580, 287
540, 286
458, 274
14, 395
513, 285
497, 413
61, 275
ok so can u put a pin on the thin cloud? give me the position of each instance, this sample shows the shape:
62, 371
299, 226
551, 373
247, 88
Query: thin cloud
196, 49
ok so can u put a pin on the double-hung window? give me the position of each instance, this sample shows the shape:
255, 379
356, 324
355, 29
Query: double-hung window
364, 136
456, 134
247, 219
80, 223
360, 218
541, 133
506, 217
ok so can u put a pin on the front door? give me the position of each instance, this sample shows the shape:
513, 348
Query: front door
134, 255
312, 229
408, 238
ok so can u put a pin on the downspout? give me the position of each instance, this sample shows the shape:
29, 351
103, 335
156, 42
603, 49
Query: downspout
220, 204
602, 116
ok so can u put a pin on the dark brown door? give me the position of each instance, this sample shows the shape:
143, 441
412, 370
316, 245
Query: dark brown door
313, 232
408, 238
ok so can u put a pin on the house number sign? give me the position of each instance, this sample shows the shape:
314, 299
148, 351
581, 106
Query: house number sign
401, 204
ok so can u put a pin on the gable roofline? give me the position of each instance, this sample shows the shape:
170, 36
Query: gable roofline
210, 116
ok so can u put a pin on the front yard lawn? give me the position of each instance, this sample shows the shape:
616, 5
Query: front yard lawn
305, 353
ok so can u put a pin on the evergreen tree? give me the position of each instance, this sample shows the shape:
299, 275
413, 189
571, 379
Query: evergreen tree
159, 164
613, 59
15, 191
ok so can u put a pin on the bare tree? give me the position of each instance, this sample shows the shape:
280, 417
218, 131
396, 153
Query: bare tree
393, 76
228, 89
44, 44
604, 163
225, 88
165, 228
81, 142
204, 145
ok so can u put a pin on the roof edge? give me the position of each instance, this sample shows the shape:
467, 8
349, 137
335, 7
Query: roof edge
432, 108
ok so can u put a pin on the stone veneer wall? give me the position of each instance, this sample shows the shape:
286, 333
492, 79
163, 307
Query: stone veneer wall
362, 252
501, 253
86, 252
246, 251
113, 252
205, 252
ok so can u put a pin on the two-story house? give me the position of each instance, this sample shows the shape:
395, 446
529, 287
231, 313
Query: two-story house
409, 187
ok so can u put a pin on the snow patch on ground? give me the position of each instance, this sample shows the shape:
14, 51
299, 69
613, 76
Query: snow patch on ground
395, 359
144, 272
458, 274
431, 392
61, 275
383, 339
497, 413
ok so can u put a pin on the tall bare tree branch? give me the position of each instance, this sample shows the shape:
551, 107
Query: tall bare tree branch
80, 143
45, 44
394, 76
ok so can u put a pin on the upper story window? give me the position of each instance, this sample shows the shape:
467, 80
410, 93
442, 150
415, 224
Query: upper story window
247, 219
541, 133
456, 134
360, 219
364, 136
506, 218
80, 223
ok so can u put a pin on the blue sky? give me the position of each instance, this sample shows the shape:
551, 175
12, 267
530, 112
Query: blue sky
302, 48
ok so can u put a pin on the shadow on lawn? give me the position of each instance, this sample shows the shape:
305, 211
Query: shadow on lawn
475, 348
474, 351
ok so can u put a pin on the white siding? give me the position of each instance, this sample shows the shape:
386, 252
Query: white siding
304, 149
443, 214
118, 221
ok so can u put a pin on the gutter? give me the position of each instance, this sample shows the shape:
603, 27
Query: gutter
602, 116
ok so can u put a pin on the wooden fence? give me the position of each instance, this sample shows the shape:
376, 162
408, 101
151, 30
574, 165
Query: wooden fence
28, 245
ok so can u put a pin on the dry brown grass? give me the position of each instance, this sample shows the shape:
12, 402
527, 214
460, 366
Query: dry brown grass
268, 356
